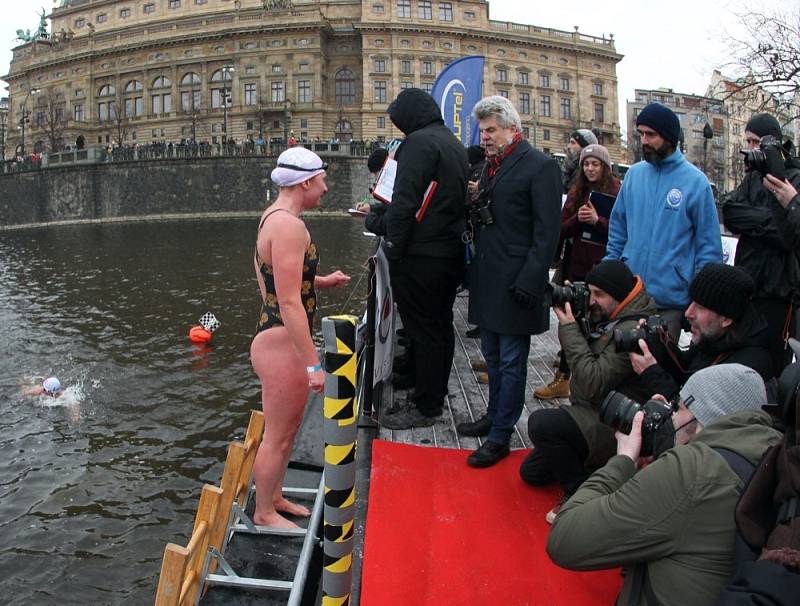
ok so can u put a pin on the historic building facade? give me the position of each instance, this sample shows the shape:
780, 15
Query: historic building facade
138, 71
704, 127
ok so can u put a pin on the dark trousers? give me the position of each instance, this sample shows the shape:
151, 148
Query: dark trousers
507, 365
559, 451
425, 289
780, 317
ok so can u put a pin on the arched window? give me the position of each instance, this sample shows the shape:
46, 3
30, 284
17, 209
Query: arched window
218, 75
107, 90
190, 78
162, 82
345, 87
134, 86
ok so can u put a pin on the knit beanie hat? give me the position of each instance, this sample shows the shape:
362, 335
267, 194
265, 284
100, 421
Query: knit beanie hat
596, 150
584, 137
763, 125
724, 289
377, 159
662, 120
614, 277
723, 389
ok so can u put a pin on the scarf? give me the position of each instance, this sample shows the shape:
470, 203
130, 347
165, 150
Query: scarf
496, 160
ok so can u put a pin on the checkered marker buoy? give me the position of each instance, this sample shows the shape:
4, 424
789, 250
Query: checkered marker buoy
209, 322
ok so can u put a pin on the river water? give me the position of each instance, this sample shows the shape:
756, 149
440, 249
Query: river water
95, 483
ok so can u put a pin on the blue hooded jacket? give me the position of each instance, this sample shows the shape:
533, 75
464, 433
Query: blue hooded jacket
664, 226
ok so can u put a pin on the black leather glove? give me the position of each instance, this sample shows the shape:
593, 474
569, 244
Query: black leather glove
521, 297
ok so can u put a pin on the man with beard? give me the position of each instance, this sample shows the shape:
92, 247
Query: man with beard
726, 328
520, 194
569, 442
664, 223
424, 225
581, 138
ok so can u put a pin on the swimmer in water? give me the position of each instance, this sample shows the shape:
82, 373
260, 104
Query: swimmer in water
50, 387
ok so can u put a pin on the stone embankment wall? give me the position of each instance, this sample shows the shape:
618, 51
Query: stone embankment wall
111, 191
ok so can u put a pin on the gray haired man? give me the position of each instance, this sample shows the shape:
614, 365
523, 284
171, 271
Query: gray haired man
520, 197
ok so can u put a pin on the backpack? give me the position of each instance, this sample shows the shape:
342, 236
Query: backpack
768, 517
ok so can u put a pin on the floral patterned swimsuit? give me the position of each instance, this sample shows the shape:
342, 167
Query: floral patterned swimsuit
270, 311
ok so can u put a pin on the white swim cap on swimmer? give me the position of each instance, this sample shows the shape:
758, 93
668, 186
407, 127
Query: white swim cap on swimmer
295, 165
51, 385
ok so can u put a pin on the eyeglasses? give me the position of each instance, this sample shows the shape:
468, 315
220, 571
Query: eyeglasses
300, 168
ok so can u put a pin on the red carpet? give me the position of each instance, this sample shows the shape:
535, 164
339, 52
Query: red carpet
440, 533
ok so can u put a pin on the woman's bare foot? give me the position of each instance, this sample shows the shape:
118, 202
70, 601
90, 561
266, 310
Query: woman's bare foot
285, 506
273, 520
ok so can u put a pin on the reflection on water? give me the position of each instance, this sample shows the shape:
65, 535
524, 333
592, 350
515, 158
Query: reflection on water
94, 483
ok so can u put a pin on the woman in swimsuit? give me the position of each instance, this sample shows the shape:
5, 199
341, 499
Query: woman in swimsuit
282, 353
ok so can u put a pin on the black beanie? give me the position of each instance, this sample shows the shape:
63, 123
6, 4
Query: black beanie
763, 125
662, 120
724, 289
614, 277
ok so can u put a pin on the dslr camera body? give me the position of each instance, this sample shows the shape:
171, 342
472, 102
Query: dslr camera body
479, 209
768, 159
628, 340
618, 411
577, 295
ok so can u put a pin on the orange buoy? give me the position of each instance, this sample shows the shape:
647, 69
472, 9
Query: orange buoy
198, 334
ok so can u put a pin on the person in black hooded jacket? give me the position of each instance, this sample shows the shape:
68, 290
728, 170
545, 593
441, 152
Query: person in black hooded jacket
425, 248
766, 216
726, 328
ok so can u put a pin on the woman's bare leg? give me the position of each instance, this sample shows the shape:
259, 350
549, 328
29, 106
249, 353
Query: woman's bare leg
284, 392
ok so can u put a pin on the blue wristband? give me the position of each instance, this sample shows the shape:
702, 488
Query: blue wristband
315, 368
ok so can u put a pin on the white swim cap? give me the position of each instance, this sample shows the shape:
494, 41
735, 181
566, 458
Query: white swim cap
296, 165
51, 385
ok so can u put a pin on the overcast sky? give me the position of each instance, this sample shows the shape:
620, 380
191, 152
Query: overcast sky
675, 45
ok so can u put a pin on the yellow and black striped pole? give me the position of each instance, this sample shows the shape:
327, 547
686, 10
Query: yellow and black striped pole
339, 430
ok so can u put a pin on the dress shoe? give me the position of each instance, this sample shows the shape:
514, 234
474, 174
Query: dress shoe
558, 388
405, 418
402, 381
475, 429
479, 365
474, 333
488, 454
482, 377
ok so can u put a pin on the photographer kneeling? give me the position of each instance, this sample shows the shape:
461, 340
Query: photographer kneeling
726, 328
670, 525
569, 442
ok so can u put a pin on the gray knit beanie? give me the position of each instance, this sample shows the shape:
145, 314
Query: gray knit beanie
721, 390
584, 137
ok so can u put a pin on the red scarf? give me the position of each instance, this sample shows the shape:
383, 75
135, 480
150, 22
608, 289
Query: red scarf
496, 160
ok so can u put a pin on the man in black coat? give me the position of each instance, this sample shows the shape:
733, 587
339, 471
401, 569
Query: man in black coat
424, 225
521, 190
726, 328
765, 212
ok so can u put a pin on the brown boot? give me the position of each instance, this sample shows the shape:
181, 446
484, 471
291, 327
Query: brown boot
558, 388
479, 365
483, 377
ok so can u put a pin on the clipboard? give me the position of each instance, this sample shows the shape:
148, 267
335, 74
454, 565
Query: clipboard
384, 185
603, 204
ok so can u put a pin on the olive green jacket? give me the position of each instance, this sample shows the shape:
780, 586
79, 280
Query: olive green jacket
597, 368
676, 514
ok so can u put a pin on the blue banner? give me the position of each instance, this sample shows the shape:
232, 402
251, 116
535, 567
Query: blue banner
457, 89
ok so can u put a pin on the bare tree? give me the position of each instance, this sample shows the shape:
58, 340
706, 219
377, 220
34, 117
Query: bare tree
51, 117
767, 57
117, 123
192, 108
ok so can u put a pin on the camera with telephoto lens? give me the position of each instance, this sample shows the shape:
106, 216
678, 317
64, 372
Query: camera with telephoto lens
479, 211
618, 411
768, 159
628, 340
576, 294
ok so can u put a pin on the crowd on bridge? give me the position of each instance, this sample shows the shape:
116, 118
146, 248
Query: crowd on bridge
676, 363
